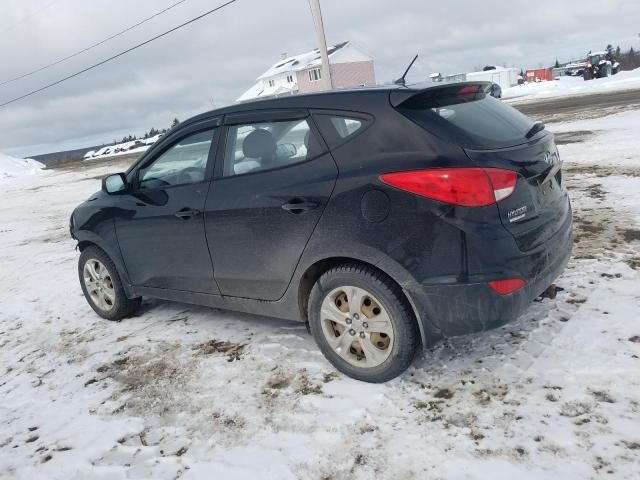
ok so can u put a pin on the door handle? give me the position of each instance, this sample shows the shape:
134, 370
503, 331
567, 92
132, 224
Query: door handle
186, 213
298, 206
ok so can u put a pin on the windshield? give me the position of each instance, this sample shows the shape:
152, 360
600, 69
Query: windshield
468, 116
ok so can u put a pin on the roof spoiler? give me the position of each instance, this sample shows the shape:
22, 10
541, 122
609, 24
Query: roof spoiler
399, 96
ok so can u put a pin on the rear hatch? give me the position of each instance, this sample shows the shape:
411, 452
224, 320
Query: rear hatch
495, 135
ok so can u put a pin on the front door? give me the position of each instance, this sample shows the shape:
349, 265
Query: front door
160, 222
267, 197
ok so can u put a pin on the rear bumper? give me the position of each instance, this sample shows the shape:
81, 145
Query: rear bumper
456, 309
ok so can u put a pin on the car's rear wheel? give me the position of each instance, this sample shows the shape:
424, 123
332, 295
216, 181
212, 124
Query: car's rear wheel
102, 286
362, 323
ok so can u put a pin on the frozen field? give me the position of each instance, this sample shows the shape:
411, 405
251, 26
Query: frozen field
572, 86
187, 392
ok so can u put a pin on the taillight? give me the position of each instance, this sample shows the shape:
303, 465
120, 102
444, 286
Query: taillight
507, 286
468, 187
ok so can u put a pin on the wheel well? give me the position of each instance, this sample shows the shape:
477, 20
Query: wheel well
315, 271
84, 244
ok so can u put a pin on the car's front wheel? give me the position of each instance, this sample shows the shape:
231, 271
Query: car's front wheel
102, 286
362, 323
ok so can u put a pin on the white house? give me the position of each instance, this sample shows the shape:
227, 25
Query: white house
350, 67
505, 77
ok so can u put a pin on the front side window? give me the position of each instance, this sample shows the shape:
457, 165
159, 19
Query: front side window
183, 163
264, 146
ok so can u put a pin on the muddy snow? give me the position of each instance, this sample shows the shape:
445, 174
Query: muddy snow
189, 392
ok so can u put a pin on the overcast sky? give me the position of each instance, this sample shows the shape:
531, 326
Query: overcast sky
211, 62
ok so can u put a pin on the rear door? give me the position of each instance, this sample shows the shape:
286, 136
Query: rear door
496, 135
272, 183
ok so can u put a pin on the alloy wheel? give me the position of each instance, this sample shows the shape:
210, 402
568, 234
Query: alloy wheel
357, 326
99, 284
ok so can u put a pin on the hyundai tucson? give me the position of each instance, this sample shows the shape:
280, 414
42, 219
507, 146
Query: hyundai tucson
385, 218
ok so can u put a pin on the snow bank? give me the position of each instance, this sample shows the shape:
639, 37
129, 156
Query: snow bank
567, 86
11, 167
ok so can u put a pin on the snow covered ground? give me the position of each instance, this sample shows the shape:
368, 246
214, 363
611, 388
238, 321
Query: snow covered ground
11, 167
567, 86
188, 392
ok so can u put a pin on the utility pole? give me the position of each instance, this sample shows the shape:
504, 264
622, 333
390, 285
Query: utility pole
322, 41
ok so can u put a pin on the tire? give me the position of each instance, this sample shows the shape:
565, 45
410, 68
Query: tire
392, 354
110, 302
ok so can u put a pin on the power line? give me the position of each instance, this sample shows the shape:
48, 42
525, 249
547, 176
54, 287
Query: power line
95, 44
118, 54
101, 42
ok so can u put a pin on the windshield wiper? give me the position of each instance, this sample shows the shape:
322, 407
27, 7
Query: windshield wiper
537, 127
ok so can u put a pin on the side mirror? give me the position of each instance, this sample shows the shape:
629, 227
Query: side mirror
114, 183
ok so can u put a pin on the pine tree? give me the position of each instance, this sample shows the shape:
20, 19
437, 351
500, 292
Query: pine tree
557, 65
175, 122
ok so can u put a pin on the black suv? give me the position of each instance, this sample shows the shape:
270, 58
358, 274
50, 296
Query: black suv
385, 218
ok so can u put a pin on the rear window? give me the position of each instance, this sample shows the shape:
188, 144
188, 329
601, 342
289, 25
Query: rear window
468, 116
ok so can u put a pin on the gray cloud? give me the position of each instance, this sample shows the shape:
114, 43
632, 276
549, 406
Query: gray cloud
211, 62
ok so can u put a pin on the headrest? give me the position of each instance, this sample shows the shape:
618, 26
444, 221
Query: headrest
259, 144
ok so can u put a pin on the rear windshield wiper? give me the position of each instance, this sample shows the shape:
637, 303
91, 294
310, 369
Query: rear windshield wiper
537, 127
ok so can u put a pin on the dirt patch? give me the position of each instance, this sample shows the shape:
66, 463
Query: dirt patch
635, 339
152, 383
577, 136
443, 393
631, 235
631, 445
228, 422
575, 409
305, 386
233, 351
576, 301
279, 379
597, 231
596, 191
329, 377
431, 411
497, 392
602, 396
599, 170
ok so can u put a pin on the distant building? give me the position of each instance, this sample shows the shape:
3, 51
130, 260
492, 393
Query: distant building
505, 77
350, 67
450, 77
539, 74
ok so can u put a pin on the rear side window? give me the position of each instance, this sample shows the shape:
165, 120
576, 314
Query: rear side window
261, 146
346, 126
468, 116
337, 129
